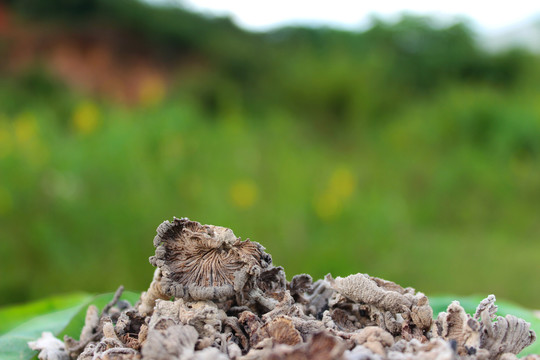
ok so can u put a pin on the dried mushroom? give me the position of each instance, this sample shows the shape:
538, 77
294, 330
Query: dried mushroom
206, 262
361, 300
503, 337
216, 297
374, 338
281, 330
50, 348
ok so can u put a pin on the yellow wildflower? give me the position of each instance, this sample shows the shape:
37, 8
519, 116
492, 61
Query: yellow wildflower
26, 128
86, 117
244, 193
330, 202
342, 183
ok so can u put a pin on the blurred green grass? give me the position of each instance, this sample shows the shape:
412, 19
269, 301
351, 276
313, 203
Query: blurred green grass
416, 200
404, 151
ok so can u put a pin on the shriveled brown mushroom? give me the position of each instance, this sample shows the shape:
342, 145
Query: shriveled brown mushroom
362, 300
207, 262
281, 330
485, 331
374, 338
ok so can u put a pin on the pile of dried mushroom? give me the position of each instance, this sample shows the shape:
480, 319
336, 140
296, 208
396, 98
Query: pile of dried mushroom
214, 296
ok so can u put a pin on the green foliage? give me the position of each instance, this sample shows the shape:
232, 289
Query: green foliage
61, 315
82, 205
13, 344
405, 151
15, 315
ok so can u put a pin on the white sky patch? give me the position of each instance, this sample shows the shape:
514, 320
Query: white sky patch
354, 14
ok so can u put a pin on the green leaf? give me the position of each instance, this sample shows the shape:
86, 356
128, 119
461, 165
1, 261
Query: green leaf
59, 315
13, 344
13, 316
469, 303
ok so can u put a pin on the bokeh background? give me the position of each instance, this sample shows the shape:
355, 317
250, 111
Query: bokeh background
407, 150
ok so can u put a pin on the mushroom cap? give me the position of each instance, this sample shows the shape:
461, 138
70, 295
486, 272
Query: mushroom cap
204, 262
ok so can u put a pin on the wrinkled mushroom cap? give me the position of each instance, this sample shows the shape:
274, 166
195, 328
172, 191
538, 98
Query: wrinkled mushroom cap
204, 262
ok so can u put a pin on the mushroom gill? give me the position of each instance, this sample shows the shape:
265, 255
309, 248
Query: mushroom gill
202, 262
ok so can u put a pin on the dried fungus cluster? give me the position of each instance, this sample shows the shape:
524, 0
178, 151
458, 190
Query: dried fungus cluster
214, 296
